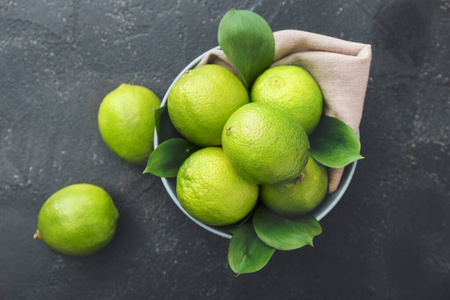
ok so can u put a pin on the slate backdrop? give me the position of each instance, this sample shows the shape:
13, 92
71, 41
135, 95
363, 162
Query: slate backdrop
388, 238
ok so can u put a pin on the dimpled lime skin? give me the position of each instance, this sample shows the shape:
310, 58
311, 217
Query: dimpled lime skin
127, 124
299, 196
77, 220
293, 89
265, 144
202, 100
211, 191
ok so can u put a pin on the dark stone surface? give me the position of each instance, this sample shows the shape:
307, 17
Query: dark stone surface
388, 238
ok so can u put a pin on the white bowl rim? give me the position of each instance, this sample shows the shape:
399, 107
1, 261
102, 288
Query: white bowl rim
319, 213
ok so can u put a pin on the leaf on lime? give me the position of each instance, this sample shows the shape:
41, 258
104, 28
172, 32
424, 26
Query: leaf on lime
168, 157
158, 114
247, 253
247, 40
284, 234
335, 144
164, 126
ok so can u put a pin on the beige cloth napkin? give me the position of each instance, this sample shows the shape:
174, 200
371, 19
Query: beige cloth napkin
341, 68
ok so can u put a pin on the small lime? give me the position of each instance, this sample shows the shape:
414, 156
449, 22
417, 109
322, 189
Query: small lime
300, 195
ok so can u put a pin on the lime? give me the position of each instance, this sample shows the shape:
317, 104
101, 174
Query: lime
293, 89
265, 144
211, 191
126, 122
202, 100
300, 195
77, 220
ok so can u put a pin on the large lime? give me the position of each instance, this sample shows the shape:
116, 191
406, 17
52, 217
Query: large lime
293, 89
126, 122
265, 144
77, 220
211, 191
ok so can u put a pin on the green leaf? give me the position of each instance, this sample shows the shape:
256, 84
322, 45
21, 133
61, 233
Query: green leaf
335, 144
168, 157
158, 113
164, 126
247, 253
248, 42
284, 234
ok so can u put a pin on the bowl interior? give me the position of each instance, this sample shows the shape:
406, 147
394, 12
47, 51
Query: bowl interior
170, 183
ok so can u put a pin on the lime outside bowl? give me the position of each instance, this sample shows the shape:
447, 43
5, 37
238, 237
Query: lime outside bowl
319, 212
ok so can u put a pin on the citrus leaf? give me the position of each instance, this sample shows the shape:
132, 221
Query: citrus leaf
168, 157
285, 234
247, 253
248, 42
335, 144
164, 126
158, 114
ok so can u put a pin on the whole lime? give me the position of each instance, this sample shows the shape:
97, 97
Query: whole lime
293, 89
77, 220
202, 100
300, 195
127, 124
211, 191
265, 144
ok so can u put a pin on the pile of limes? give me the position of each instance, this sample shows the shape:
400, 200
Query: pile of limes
255, 143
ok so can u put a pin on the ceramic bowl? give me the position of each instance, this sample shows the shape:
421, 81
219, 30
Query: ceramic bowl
170, 183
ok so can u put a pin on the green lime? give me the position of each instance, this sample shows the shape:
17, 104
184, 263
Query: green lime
265, 144
211, 191
77, 220
300, 195
202, 100
293, 89
127, 123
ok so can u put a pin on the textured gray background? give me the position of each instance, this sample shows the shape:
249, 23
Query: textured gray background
388, 238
